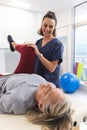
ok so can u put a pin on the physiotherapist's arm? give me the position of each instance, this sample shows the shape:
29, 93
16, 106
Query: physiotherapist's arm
49, 65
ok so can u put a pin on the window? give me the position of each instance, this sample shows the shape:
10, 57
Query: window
81, 40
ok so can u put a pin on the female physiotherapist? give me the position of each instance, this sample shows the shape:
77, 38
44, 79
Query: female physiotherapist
48, 50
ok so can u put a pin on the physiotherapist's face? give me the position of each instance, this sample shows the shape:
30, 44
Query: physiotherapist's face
48, 26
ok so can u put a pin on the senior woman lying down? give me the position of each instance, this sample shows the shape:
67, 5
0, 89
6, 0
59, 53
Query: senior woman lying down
44, 104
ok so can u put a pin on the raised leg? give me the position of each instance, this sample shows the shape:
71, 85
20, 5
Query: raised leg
1, 75
27, 56
27, 59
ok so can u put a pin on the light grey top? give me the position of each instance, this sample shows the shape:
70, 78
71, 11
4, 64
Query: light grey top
17, 92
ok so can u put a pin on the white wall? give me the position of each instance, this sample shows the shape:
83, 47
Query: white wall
2, 61
65, 28
22, 25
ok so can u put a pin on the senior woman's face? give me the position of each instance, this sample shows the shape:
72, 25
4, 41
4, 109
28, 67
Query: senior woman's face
47, 94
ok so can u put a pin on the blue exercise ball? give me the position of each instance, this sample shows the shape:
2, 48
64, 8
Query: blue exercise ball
69, 82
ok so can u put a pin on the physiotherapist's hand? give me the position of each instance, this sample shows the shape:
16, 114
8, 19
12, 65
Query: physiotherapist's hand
35, 48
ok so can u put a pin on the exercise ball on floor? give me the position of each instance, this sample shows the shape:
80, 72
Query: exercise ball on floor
69, 82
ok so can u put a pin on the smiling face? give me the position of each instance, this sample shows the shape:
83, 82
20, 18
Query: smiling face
47, 94
48, 26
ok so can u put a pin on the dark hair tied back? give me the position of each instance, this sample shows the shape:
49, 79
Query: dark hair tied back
51, 15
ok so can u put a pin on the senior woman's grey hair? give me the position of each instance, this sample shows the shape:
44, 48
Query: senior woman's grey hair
55, 116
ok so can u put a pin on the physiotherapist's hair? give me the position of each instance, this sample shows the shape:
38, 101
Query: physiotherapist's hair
55, 117
50, 15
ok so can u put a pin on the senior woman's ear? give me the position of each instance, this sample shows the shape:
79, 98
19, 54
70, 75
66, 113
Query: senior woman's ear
40, 106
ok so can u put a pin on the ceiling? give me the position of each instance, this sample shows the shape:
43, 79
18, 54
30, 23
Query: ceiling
46, 5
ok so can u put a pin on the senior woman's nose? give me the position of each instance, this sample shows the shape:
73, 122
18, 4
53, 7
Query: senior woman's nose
49, 85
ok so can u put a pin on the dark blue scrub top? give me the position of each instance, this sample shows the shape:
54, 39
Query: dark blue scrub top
53, 50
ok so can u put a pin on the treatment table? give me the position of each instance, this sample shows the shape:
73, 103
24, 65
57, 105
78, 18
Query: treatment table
78, 105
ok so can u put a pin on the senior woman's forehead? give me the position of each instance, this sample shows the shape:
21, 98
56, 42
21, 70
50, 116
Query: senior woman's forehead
46, 85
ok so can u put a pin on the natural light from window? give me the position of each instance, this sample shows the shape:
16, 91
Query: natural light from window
81, 41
